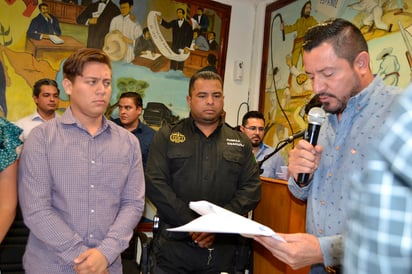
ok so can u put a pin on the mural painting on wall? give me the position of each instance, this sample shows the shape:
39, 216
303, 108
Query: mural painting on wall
285, 88
155, 46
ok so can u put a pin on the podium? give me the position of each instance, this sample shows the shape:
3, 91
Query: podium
39, 47
282, 212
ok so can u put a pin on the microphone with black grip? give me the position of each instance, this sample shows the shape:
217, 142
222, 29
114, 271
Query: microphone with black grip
316, 117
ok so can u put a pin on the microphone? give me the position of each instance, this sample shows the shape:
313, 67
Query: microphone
316, 117
279, 147
300, 134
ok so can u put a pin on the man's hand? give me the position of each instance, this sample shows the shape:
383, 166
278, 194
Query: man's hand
204, 240
304, 158
92, 261
300, 249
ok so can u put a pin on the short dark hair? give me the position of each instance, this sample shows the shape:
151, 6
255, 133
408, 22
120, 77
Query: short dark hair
302, 11
133, 95
211, 59
252, 114
145, 29
126, 1
183, 11
206, 75
44, 82
74, 65
43, 5
346, 39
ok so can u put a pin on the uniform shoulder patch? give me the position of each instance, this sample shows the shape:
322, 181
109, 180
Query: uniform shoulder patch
177, 137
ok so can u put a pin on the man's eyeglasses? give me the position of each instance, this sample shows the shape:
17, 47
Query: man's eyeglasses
255, 128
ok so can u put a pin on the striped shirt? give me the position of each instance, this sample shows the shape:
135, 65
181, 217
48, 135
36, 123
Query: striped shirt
78, 192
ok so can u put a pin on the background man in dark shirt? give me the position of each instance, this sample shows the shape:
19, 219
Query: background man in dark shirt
130, 109
199, 158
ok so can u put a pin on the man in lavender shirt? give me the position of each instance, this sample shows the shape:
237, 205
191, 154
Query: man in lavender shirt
81, 183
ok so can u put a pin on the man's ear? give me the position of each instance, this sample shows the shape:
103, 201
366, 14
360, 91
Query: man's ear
362, 60
67, 85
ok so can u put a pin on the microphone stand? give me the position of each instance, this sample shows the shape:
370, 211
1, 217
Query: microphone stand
279, 146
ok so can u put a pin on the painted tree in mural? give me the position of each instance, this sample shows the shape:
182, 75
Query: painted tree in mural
127, 84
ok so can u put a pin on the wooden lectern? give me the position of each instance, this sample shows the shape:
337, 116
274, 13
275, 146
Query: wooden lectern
282, 212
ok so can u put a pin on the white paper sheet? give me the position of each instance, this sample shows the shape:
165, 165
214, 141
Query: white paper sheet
216, 219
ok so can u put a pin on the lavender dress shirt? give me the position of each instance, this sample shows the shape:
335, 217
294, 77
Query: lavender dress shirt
78, 192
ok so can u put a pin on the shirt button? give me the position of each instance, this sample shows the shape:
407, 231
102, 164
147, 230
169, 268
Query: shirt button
353, 151
91, 186
93, 162
91, 235
337, 147
92, 210
320, 231
322, 203
330, 174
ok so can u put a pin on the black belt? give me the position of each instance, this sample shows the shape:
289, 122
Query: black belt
334, 269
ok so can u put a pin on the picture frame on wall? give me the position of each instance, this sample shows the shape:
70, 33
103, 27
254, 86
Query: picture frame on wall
286, 91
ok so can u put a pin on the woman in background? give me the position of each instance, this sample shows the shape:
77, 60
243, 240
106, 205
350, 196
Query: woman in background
9, 143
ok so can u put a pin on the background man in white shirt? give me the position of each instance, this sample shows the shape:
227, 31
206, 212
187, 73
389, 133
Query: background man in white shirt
46, 97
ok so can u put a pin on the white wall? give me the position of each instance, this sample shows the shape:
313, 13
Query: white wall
245, 44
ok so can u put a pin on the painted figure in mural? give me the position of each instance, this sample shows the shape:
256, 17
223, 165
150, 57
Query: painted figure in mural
335, 52
43, 25
373, 14
9, 152
300, 26
253, 126
130, 109
189, 161
130, 29
211, 63
81, 182
300, 84
182, 36
211, 38
400, 7
199, 42
46, 97
389, 67
144, 44
201, 20
98, 16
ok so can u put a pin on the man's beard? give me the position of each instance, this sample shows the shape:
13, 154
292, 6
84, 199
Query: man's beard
256, 144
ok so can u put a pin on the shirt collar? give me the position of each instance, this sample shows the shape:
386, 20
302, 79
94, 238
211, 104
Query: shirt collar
68, 119
36, 116
195, 128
